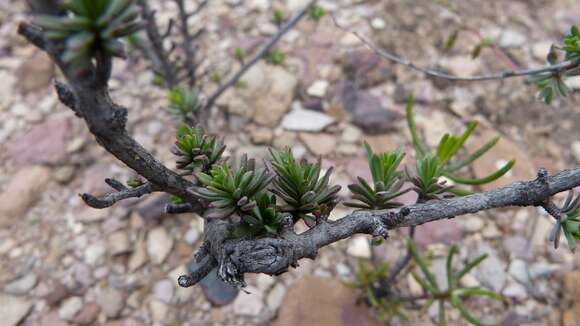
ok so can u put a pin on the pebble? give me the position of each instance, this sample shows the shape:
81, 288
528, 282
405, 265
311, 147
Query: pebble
471, 223
95, 253
13, 309
111, 301
518, 269
359, 247
490, 272
159, 310
164, 290
276, 296
69, 308
119, 243
576, 150
511, 39
378, 23
516, 291
306, 120
88, 314
22, 285
319, 144
159, 244
318, 89
249, 303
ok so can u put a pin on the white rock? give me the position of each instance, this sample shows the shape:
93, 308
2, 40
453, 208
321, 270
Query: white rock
191, 236
159, 244
471, 223
22, 285
164, 290
576, 150
249, 304
359, 246
294, 5
159, 310
540, 50
490, 272
276, 296
112, 302
510, 38
415, 288
378, 23
318, 88
342, 270
462, 66
138, 257
516, 291
69, 308
491, 231
519, 270
119, 243
351, 134
95, 253
306, 120
543, 269
573, 82
13, 309
264, 282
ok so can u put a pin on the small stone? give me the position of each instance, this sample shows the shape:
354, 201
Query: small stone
415, 288
88, 314
490, 272
43, 143
351, 134
515, 291
119, 243
306, 120
576, 150
318, 89
540, 50
191, 236
138, 257
164, 290
21, 193
35, 73
22, 285
159, 244
13, 309
216, 291
378, 23
249, 303
516, 246
462, 66
359, 247
64, 174
69, 308
95, 254
469, 281
264, 282
58, 293
471, 223
159, 310
342, 270
442, 231
275, 297
518, 269
319, 144
261, 136
83, 274
491, 231
512, 39
111, 301
542, 269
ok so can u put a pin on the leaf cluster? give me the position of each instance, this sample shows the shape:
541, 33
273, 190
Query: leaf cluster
386, 185
196, 150
89, 27
232, 192
184, 102
305, 192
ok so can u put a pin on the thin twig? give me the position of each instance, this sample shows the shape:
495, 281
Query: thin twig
112, 198
258, 56
553, 69
188, 47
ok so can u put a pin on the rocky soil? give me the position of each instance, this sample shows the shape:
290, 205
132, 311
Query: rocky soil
65, 263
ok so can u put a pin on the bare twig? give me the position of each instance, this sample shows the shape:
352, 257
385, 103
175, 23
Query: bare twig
112, 198
552, 69
275, 255
258, 56
188, 46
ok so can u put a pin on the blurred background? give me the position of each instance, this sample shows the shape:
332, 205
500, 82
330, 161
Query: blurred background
65, 263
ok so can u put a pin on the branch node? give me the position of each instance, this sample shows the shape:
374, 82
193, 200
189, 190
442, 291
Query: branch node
543, 175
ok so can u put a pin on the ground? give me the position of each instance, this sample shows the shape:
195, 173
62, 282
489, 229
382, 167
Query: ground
64, 262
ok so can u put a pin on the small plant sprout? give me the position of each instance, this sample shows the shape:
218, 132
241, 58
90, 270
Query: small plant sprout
316, 13
567, 222
196, 150
443, 161
184, 102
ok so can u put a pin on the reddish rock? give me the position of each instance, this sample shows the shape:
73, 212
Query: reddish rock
88, 314
35, 73
322, 301
442, 231
43, 143
57, 295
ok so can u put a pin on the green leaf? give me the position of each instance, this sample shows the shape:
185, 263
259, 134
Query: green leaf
417, 141
422, 265
490, 178
449, 265
473, 157
464, 312
469, 266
